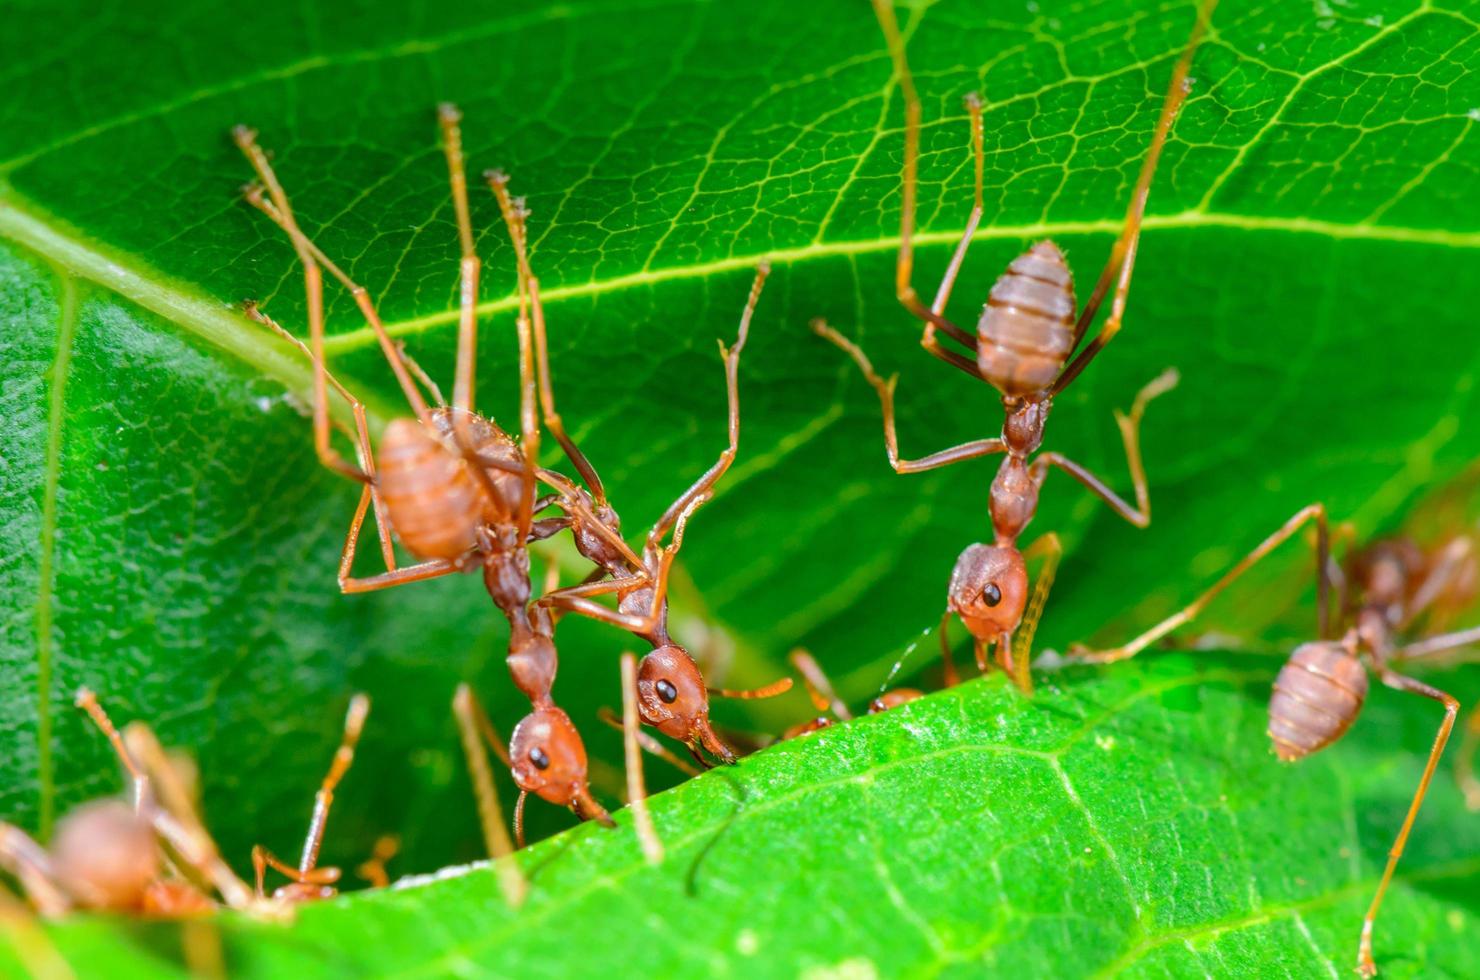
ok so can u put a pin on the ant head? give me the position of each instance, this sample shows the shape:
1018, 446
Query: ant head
106, 855
549, 759
893, 699
671, 697
989, 587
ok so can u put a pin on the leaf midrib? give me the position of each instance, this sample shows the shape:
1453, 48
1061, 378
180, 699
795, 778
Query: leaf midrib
218, 322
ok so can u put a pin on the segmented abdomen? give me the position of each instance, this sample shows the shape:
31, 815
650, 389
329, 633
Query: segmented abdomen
1317, 696
433, 502
1026, 330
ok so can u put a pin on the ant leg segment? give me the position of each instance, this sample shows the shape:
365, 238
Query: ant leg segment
642, 820
1022, 656
29, 864
1123, 255
1399, 682
649, 744
474, 728
1316, 512
399, 576
819, 688
88, 701
885, 390
1129, 424
700, 491
344, 756
949, 677
904, 290
640, 625
547, 528
373, 867
1469, 782
448, 118
774, 689
1451, 563
553, 422
519, 841
948, 282
262, 859
1438, 644
176, 821
366, 472
312, 257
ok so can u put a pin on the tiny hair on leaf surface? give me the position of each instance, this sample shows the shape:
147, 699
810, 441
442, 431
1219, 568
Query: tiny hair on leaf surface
170, 540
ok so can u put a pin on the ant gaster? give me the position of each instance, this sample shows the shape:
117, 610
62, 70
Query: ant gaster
1022, 347
109, 855
1320, 690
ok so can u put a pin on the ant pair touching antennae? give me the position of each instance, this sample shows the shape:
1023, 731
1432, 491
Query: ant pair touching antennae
1022, 347
1387, 588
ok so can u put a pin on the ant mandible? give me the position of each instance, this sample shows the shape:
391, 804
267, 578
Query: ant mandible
1320, 690
1022, 347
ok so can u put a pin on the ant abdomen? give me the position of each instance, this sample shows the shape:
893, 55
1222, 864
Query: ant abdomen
1317, 696
1026, 330
105, 855
430, 496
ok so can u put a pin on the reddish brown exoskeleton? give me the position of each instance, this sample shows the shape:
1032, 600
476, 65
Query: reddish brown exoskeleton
824, 698
111, 855
1022, 346
309, 881
1321, 689
672, 695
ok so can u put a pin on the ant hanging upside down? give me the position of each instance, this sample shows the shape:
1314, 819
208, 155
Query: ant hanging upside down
1022, 347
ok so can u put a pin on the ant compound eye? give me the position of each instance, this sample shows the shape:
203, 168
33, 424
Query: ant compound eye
666, 691
991, 595
540, 759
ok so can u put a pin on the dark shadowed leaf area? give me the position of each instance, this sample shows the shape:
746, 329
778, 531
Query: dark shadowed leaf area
169, 539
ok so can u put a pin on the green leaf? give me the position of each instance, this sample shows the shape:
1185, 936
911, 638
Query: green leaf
1130, 823
169, 539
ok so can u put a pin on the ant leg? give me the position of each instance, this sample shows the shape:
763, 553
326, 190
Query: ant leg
435, 568
701, 490
649, 744
973, 103
88, 701
363, 451
262, 859
1469, 782
1022, 655
1122, 259
904, 267
176, 821
514, 217
448, 118
373, 868
1130, 436
312, 257
642, 820
474, 728
29, 864
1399, 682
1316, 512
949, 677
885, 390
1437, 644
819, 688
1453, 562
354, 723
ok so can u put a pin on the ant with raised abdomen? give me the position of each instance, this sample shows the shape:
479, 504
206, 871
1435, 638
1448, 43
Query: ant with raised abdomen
1320, 690
1022, 347
150, 856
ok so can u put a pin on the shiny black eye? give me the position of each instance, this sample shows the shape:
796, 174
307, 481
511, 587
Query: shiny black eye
991, 595
666, 691
539, 758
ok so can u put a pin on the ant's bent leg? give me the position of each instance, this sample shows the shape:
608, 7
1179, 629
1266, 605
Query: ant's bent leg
1315, 512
